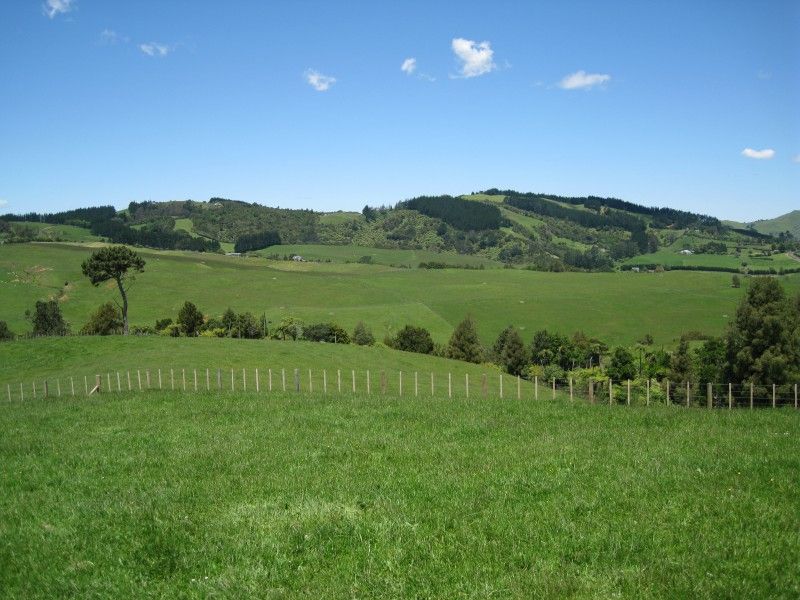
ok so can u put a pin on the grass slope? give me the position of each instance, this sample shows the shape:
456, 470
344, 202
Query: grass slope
24, 361
169, 495
380, 256
617, 307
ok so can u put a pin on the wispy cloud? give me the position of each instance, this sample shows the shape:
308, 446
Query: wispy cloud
581, 80
320, 82
109, 36
762, 74
476, 59
53, 8
796, 158
155, 49
409, 66
3, 202
764, 154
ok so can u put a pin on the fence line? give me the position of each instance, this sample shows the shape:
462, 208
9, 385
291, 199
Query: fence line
650, 391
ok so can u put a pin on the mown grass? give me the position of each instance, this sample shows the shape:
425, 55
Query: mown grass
616, 307
238, 495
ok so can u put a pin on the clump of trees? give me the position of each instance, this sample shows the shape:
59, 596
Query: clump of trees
106, 320
411, 339
457, 212
256, 241
47, 319
5, 333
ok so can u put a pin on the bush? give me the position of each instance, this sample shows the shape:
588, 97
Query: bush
464, 343
326, 332
163, 323
412, 339
47, 319
363, 336
5, 333
106, 320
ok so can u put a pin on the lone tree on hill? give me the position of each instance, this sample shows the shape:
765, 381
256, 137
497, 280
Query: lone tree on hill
118, 263
464, 343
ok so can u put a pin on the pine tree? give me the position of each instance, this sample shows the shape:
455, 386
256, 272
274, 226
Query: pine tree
681, 363
464, 343
514, 355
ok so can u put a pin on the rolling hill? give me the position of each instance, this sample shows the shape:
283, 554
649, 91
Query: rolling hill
789, 222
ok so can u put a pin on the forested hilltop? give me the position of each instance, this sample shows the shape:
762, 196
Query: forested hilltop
525, 230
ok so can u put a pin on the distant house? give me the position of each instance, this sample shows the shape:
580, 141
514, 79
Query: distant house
635, 269
233, 254
686, 252
298, 258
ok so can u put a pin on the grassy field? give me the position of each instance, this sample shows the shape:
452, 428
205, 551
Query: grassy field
64, 233
283, 496
379, 256
671, 258
617, 307
187, 226
26, 361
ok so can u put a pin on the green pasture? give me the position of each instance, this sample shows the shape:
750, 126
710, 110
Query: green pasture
381, 256
671, 258
617, 307
202, 495
47, 232
340, 216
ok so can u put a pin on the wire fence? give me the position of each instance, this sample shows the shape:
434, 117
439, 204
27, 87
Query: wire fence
408, 384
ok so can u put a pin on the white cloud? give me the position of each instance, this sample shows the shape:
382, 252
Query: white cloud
762, 74
318, 81
796, 158
476, 59
52, 8
764, 154
409, 66
3, 202
109, 36
154, 49
583, 80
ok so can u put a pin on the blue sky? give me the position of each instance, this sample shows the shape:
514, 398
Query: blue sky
694, 105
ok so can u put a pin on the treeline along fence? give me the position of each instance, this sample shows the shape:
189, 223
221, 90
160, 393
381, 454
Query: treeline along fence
407, 384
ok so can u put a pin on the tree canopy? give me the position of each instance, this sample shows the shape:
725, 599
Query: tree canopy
118, 263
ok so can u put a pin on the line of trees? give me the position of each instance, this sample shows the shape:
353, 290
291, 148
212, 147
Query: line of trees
256, 241
457, 212
153, 237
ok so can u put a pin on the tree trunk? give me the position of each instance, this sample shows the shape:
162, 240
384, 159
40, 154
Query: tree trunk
124, 307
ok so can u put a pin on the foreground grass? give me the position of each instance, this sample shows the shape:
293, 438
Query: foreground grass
170, 495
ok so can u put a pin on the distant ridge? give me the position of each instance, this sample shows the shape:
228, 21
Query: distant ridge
789, 222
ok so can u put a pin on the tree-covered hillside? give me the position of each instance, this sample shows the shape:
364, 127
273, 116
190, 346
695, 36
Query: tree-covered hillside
523, 230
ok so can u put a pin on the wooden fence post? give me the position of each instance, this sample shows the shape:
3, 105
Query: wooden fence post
647, 400
119, 387
258, 386
324, 381
432, 388
629, 392
297, 380
159, 377
416, 384
710, 397
146, 376
400, 383
208, 379
195, 379
554, 388
72, 384
591, 391
484, 385
449, 385
269, 379
85, 385
774, 399
688, 393
244, 380
667, 392
368, 386
466, 384
233, 380
129, 381
751, 396
283, 379
45, 388
9, 392
139, 378
108, 382
310, 383
219, 378
383, 382
536, 387
610, 391
353, 375
339, 380
501, 385
571, 395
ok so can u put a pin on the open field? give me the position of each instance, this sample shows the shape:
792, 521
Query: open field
671, 258
238, 495
379, 256
617, 307
52, 358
